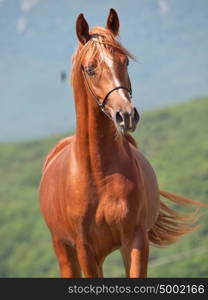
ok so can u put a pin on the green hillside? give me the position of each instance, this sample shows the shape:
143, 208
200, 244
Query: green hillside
174, 139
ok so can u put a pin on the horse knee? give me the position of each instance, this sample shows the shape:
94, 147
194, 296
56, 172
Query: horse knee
140, 239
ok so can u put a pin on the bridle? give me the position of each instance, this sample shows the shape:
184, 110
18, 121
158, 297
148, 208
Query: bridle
105, 99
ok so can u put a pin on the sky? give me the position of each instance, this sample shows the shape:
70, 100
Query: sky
37, 40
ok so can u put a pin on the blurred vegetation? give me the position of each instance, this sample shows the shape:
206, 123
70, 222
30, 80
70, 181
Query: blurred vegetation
174, 139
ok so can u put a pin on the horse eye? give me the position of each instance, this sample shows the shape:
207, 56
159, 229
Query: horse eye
90, 70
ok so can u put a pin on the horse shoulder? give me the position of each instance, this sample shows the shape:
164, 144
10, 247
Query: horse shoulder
150, 186
131, 140
55, 151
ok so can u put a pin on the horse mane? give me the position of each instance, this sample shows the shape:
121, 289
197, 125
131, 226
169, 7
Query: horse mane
103, 36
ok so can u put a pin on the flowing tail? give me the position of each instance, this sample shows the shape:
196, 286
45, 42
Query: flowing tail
171, 225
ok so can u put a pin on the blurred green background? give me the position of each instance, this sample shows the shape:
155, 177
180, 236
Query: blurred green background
175, 141
169, 39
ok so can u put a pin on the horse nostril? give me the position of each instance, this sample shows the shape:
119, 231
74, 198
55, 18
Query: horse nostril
119, 117
136, 115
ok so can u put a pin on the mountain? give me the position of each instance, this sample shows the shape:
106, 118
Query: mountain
168, 37
174, 139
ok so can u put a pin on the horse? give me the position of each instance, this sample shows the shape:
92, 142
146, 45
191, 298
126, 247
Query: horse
98, 192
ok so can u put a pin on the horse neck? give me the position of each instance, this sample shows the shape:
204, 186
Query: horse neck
96, 139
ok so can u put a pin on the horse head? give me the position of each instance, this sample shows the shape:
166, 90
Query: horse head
103, 63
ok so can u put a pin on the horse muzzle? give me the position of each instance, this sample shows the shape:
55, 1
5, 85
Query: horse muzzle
127, 121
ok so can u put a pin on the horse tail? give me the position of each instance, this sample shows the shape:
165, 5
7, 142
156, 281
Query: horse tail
171, 225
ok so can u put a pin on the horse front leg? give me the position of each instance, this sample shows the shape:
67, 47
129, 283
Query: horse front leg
135, 255
67, 258
87, 260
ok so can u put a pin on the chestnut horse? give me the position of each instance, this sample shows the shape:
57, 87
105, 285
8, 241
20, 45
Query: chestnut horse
98, 192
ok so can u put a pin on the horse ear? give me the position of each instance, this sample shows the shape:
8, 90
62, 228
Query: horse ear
82, 29
113, 22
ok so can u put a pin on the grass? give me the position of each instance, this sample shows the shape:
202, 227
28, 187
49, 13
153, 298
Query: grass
174, 139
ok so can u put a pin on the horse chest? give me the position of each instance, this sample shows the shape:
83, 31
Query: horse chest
113, 200
119, 201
